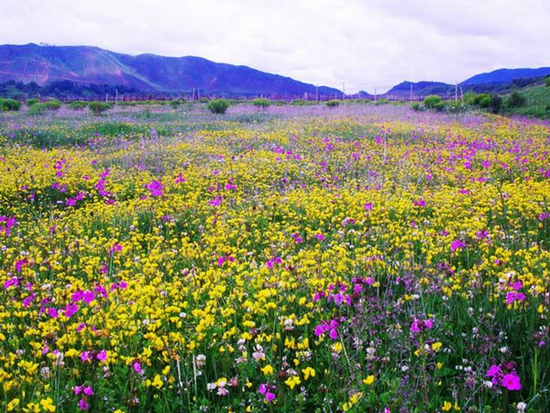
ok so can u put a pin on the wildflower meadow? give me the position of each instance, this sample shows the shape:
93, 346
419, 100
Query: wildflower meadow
362, 258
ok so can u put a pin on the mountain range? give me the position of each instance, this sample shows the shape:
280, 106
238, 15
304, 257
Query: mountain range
85, 65
145, 72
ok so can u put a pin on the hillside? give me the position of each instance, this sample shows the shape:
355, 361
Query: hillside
147, 72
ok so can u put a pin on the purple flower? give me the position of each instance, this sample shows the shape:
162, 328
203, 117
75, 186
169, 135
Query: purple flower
511, 381
102, 355
456, 244
493, 370
155, 188
83, 404
368, 206
52, 312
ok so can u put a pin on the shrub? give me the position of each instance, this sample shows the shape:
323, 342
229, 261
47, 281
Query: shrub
516, 100
97, 108
9, 105
78, 105
218, 106
52, 105
261, 103
416, 106
32, 101
547, 81
333, 103
41, 107
433, 102
175, 103
495, 105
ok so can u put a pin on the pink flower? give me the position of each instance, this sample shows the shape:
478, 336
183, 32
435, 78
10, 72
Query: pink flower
368, 206
269, 396
511, 381
52, 312
179, 179
102, 355
493, 370
83, 404
456, 244
137, 367
88, 391
155, 188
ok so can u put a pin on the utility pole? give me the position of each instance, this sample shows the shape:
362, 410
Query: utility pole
411, 92
462, 95
456, 92
344, 91
375, 95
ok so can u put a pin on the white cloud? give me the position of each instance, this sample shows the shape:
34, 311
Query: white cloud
367, 45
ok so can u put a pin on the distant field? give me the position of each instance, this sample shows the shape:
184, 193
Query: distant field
358, 258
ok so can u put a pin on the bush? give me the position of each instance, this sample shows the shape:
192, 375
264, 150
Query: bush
515, 100
333, 103
547, 81
495, 104
218, 106
49, 106
175, 103
416, 106
32, 101
432, 102
9, 105
97, 108
261, 103
78, 105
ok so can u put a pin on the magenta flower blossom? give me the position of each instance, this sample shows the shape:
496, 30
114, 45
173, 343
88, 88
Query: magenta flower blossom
102, 355
456, 244
179, 179
136, 365
512, 296
267, 391
83, 404
52, 312
511, 381
367, 206
155, 188
494, 370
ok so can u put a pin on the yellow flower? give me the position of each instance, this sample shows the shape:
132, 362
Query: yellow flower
267, 370
308, 372
157, 382
446, 406
337, 347
13, 404
369, 380
292, 381
436, 346
47, 404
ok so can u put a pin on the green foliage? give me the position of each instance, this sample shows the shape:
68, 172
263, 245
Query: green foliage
495, 105
432, 102
218, 106
416, 106
300, 102
42, 107
175, 103
547, 81
515, 100
333, 103
78, 105
9, 105
262, 103
97, 108
32, 101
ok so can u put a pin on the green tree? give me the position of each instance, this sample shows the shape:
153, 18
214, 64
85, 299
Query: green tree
97, 108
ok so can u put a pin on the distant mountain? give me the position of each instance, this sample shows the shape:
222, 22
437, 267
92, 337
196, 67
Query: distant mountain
506, 76
404, 89
146, 72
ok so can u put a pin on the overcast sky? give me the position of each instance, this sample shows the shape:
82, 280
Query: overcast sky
368, 44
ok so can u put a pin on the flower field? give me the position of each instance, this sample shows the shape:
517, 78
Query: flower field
361, 258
